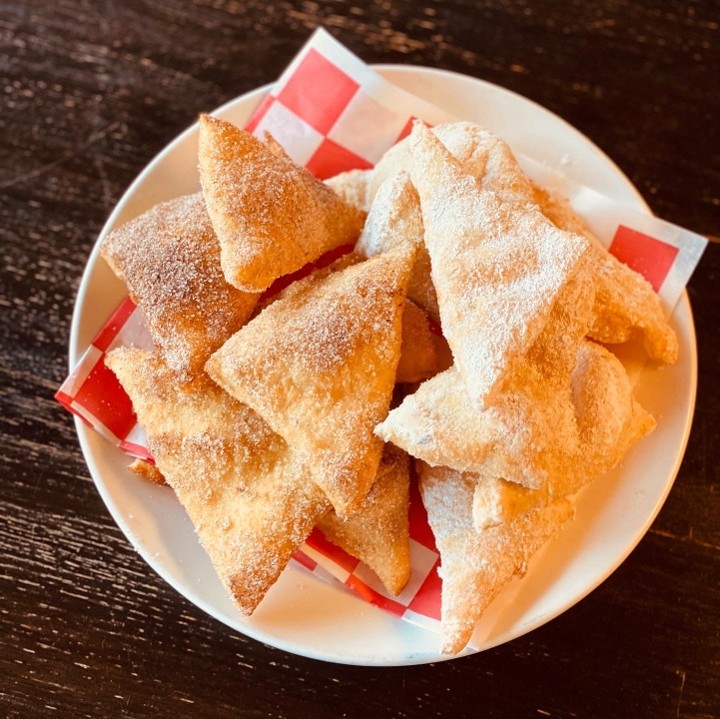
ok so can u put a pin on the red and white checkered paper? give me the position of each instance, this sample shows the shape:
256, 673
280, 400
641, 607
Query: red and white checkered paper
333, 113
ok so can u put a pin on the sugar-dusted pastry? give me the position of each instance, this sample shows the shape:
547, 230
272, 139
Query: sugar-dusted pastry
625, 302
353, 187
250, 500
497, 501
271, 216
170, 260
440, 424
424, 352
497, 266
513, 439
609, 421
609, 418
516, 437
147, 470
378, 532
319, 365
395, 210
481, 153
476, 565
395, 217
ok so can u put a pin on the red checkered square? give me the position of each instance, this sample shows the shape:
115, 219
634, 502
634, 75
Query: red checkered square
427, 599
259, 113
651, 257
306, 93
113, 326
136, 450
367, 127
102, 395
298, 137
370, 595
305, 561
406, 130
330, 159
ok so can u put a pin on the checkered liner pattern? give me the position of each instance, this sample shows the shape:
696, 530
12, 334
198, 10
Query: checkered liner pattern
333, 113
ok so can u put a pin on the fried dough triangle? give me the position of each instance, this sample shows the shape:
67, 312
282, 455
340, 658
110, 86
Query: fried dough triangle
515, 437
497, 266
424, 352
395, 217
170, 260
476, 565
481, 153
625, 302
271, 216
609, 418
319, 364
352, 186
609, 421
250, 500
395, 212
378, 532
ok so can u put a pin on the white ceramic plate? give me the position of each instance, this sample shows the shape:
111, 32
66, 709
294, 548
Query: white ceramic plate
306, 616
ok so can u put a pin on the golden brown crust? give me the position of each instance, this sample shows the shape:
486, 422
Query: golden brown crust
424, 353
625, 302
170, 260
319, 365
378, 533
147, 470
271, 216
250, 500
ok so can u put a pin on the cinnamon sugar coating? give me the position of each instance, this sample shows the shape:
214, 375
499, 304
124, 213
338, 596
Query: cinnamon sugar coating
513, 413
250, 500
378, 532
271, 216
319, 365
170, 260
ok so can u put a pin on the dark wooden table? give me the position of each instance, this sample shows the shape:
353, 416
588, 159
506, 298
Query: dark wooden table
90, 92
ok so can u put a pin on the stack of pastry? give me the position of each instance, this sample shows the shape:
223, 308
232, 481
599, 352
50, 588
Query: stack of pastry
464, 323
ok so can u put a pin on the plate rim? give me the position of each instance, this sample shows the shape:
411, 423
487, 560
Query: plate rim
84, 433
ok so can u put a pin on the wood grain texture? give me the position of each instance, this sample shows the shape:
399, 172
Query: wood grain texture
90, 92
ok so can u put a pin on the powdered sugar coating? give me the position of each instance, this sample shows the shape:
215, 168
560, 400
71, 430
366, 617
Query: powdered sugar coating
476, 565
395, 217
497, 266
625, 302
